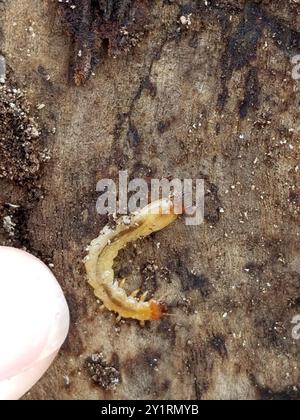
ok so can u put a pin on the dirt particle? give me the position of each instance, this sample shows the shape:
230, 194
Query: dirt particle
14, 226
9, 225
212, 205
218, 343
101, 373
254, 268
20, 152
149, 275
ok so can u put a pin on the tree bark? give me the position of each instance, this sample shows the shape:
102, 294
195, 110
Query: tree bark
213, 99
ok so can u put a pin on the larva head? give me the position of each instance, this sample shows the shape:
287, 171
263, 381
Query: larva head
157, 310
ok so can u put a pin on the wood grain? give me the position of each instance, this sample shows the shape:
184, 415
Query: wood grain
215, 101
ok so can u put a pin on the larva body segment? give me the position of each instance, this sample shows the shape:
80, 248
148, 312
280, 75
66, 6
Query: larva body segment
103, 251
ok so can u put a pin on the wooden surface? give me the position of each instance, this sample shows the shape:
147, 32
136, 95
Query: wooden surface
216, 101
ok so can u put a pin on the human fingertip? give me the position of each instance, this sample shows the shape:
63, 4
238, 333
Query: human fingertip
34, 321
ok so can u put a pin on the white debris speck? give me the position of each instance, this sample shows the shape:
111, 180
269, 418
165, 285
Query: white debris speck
13, 206
126, 220
186, 20
66, 380
34, 132
9, 225
2, 69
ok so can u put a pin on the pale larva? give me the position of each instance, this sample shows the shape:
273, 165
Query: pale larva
103, 251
